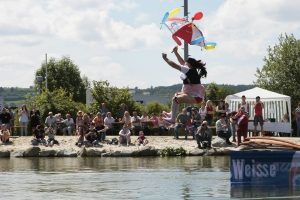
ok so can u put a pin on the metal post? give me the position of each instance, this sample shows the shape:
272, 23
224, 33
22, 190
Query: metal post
46, 74
186, 47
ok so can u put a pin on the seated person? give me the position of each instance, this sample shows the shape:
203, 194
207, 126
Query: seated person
141, 139
108, 123
59, 123
4, 134
285, 119
69, 122
221, 128
136, 123
90, 138
154, 120
162, 125
101, 132
203, 136
124, 135
182, 122
127, 120
51, 134
38, 136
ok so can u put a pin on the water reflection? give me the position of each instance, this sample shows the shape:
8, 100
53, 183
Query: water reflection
124, 178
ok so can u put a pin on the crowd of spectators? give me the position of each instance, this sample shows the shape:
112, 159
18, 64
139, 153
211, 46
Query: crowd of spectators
91, 130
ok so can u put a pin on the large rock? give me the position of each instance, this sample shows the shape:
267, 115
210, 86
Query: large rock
47, 152
94, 152
220, 142
66, 153
148, 151
32, 152
213, 152
17, 153
196, 152
4, 153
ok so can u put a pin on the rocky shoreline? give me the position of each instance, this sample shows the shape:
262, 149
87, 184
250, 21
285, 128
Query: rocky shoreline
21, 147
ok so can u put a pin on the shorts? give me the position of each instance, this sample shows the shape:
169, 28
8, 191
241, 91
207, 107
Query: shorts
258, 118
198, 99
124, 139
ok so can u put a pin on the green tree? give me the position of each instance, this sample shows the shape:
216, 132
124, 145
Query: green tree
113, 97
211, 91
56, 101
155, 107
281, 70
63, 74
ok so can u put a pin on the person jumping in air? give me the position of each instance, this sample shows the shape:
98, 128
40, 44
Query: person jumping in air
192, 90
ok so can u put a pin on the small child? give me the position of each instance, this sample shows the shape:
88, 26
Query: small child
51, 135
4, 134
142, 139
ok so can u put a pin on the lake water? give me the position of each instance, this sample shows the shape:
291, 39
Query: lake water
206, 177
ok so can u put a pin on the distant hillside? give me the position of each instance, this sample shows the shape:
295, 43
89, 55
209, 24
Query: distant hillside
15, 94
170, 90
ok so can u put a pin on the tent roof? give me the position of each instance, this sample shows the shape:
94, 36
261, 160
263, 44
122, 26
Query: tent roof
254, 92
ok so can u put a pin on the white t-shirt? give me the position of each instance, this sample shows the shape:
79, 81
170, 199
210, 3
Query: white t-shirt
202, 113
122, 132
23, 117
245, 106
109, 121
69, 122
134, 119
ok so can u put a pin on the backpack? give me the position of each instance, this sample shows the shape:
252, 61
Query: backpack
114, 141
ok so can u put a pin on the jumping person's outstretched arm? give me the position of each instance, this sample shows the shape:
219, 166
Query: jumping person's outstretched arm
179, 58
170, 62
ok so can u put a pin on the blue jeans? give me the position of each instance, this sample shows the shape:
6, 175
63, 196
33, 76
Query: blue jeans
35, 142
203, 137
24, 128
194, 129
177, 126
298, 127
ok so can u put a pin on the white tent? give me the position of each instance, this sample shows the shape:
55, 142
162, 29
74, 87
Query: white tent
276, 105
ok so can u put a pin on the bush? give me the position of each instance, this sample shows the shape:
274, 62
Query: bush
171, 151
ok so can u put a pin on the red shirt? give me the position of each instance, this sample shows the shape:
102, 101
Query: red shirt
244, 120
210, 108
258, 109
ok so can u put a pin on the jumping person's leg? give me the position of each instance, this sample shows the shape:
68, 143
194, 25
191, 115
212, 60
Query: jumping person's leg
181, 98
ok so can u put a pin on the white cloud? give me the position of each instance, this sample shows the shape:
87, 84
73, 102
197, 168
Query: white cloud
246, 28
142, 17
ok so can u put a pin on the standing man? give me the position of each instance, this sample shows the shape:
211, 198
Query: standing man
122, 111
103, 110
182, 122
244, 104
258, 106
296, 112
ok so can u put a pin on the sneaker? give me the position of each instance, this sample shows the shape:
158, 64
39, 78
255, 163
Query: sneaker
169, 120
79, 144
168, 115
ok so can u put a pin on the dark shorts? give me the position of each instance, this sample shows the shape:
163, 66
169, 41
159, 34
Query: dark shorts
259, 119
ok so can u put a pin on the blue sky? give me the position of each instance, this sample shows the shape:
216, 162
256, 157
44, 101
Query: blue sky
120, 41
